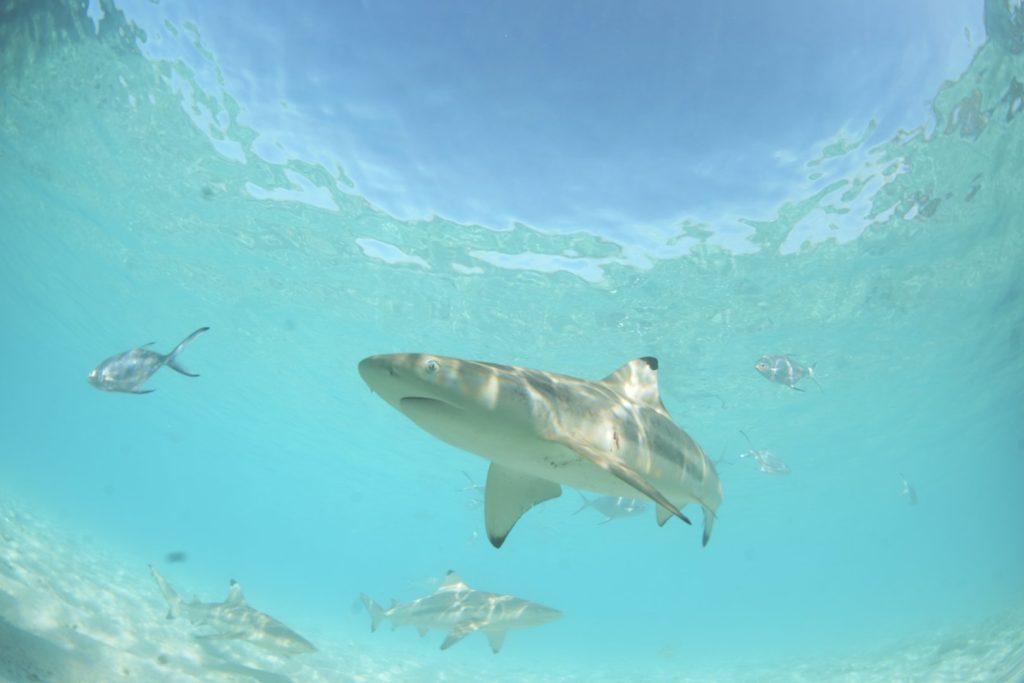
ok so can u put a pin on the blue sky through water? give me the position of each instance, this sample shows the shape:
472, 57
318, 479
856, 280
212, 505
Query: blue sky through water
613, 118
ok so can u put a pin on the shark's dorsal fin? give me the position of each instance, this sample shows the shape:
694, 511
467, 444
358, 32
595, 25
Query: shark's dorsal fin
452, 582
235, 595
638, 381
508, 495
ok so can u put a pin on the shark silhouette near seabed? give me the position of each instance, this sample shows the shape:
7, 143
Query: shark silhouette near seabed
541, 430
613, 507
460, 610
127, 372
234, 619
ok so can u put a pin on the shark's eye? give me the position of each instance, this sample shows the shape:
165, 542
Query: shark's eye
430, 366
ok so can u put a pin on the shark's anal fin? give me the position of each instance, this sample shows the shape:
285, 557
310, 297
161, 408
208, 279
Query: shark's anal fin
508, 495
614, 465
663, 515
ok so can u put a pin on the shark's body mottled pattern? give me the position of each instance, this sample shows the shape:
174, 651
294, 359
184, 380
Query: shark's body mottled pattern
127, 372
234, 619
460, 610
541, 430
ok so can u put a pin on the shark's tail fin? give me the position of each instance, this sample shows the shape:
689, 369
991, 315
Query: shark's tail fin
173, 601
172, 361
585, 505
375, 610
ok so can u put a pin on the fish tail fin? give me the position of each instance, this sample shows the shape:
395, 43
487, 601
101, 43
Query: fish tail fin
810, 373
375, 610
585, 505
173, 601
172, 361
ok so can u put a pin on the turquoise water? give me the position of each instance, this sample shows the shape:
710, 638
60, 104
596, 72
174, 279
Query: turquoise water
895, 265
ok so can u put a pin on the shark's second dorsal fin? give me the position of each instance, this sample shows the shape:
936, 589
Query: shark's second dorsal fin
452, 582
235, 595
638, 381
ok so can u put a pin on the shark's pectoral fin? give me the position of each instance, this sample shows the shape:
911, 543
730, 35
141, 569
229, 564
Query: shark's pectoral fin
613, 465
508, 495
497, 639
459, 632
142, 391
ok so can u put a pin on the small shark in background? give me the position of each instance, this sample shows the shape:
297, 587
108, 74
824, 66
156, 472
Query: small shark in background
460, 610
233, 619
908, 490
613, 507
768, 462
541, 430
784, 370
127, 372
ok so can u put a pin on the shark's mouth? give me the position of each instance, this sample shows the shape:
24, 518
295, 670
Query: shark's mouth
424, 407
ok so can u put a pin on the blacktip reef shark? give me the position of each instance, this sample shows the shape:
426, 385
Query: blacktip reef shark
234, 619
460, 610
127, 372
542, 430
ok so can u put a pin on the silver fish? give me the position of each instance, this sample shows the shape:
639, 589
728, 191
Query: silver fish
768, 462
234, 619
612, 507
475, 488
460, 610
127, 372
784, 370
908, 490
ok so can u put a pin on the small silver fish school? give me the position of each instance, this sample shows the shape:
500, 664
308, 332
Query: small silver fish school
127, 372
784, 370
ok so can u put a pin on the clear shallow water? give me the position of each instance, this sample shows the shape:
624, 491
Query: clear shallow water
894, 263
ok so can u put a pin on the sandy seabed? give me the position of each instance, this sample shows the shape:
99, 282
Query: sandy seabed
71, 614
